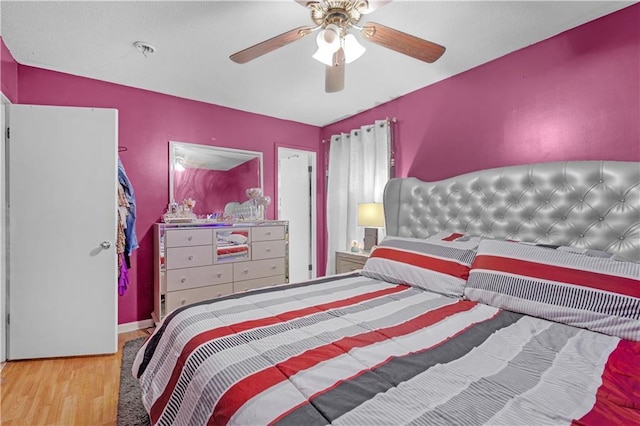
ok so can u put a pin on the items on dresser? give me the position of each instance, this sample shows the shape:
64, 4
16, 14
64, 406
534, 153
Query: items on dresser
196, 262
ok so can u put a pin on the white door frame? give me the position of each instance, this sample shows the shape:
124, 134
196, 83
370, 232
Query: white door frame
313, 157
4, 117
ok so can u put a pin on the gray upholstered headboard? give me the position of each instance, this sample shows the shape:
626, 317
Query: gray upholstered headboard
590, 204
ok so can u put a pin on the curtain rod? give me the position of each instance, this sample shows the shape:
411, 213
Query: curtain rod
390, 120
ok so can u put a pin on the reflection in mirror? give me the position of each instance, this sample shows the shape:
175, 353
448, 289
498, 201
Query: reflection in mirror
212, 176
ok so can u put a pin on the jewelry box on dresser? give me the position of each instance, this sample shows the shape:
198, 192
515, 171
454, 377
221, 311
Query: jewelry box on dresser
200, 261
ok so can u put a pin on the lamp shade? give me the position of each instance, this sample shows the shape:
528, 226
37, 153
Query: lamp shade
328, 41
352, 49
371, 214
324, 55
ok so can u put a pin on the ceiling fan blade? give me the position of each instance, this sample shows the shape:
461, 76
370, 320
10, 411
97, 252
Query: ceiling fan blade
402, 42
334, 76
267, 46
373, 5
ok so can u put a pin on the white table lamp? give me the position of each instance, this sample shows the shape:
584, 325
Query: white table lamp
371, 216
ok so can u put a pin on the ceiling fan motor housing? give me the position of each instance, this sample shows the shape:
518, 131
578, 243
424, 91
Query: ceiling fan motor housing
344, 14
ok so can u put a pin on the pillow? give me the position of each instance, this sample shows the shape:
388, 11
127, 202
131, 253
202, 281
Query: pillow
458, 239
239, 237
447, 236
235, 237
571, 249
438, 266
598, 293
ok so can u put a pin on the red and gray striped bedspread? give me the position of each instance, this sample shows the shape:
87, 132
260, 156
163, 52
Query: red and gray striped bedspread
358, 351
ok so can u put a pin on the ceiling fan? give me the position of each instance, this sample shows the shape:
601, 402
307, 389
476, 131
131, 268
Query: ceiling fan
336, 46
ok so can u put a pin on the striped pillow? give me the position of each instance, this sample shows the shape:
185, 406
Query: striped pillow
598, 293
438, 266
448, 236
455, 239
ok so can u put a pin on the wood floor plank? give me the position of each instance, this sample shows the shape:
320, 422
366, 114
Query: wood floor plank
63, 391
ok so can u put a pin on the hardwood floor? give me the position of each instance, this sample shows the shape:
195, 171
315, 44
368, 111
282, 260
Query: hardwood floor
63, 391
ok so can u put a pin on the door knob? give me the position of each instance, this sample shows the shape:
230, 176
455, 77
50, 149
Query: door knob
105, 244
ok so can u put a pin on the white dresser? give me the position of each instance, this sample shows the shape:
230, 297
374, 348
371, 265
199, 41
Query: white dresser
196, 262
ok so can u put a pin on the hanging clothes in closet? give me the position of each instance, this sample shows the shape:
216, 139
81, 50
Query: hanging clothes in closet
123, 212
127, 240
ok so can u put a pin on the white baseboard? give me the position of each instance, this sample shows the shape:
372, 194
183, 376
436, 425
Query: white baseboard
136, 325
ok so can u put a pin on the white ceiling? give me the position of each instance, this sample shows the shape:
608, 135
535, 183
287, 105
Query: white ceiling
194, 40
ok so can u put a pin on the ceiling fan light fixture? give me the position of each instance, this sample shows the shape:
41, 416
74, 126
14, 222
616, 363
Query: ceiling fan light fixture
329, 37
352, 48
328, 41
324, 56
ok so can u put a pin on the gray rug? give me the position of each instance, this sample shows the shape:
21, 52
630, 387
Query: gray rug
131, 412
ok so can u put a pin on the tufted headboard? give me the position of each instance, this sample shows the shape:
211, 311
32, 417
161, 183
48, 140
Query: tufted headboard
590, 204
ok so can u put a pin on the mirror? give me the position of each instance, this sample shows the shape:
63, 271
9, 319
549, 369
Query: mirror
212, 176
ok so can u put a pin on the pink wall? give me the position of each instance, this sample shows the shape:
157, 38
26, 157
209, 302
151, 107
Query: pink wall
575, 96
147, 122
8, 73
572, 97
213, 189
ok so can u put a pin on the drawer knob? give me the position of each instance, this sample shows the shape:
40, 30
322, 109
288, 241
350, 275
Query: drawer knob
219, 294
268, 250
184, 280
183, 302
268, 232
190, 257
219, 274
246, 271
273, 267
190, 238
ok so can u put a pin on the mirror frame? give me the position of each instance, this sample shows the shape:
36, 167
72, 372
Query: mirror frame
172, 160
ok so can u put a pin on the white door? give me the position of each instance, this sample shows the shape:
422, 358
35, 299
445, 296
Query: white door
296, 203
62, 231
3, 277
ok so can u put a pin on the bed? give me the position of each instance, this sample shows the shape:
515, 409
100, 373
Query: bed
505, 296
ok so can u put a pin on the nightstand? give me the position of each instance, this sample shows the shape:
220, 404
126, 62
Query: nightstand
347, 261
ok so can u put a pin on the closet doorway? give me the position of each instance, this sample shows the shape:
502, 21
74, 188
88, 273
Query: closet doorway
297, 204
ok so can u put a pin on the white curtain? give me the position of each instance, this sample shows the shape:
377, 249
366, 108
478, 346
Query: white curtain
358, 172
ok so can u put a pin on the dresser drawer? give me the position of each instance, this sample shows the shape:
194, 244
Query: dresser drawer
258, 269
181, 279
343, 266
347, 262
176, 299
266, 233
267, 249
257, 283
188, 257
188, 237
